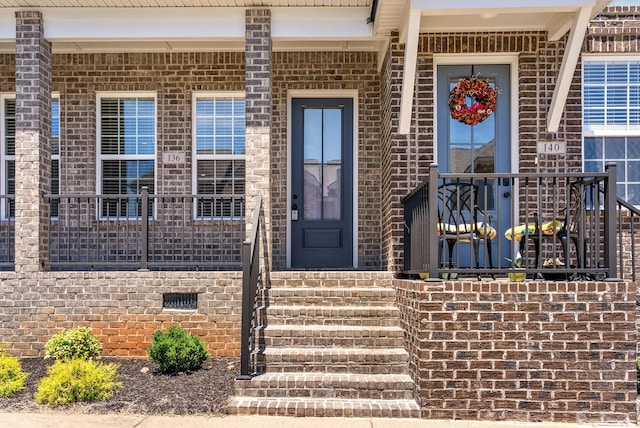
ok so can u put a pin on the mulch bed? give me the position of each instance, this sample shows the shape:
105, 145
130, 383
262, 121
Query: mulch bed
205, 391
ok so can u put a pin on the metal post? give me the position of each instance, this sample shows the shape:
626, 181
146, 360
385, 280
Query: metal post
610, 222
144, 200
432, 225
247, 312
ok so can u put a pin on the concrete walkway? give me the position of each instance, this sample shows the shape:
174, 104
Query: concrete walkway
59, 420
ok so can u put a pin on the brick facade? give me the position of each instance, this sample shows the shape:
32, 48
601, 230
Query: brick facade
122, 308
534, 351
538, 351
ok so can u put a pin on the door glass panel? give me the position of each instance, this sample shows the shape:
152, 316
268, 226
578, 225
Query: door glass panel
332, 136
312, 192
322, 199
332, 191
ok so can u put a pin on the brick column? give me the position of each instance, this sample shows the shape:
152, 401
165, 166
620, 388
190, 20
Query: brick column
33, 147
393, 159
258, 116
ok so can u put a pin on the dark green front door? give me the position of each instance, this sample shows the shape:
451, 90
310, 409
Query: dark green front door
322, 183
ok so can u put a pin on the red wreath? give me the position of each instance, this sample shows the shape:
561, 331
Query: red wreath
484, 103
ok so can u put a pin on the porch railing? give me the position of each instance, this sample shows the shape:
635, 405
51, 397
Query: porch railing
144, 231
574, 227
251, 317
7, 232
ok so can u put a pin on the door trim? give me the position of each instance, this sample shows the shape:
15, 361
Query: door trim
324, 94
512, 61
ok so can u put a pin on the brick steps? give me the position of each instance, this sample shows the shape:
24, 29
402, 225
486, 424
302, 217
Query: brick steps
337, 360
323, 407
352, 386
340, 296
333, 346
383, 316
333, 336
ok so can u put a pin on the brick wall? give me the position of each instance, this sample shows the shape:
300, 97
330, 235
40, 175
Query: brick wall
122, 308
533, 351
330, 71
615, 30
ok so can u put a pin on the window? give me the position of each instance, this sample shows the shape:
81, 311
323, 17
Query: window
8, 154
219, 132
55, 155
611, 120
126, 151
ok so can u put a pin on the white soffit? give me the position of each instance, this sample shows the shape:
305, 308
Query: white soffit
191, 29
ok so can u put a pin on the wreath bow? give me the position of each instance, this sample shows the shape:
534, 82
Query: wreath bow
483, 105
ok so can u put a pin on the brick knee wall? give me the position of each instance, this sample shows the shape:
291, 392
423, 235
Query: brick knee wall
533, 351
122, 308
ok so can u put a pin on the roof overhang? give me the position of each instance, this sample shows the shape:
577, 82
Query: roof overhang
158, 29
556, 17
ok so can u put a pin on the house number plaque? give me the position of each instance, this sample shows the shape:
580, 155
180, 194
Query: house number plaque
174, 157
552, 147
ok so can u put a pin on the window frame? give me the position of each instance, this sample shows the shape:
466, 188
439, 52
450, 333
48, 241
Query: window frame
118, 157
56, 97
601, 132
196, 96
4, 157
4, 180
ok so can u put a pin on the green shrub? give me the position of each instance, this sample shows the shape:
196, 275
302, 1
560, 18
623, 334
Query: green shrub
638, 374
78, 380
11, 375
176, 351
78, 342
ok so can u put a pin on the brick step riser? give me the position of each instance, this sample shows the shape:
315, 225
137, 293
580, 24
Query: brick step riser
276, 320
318, 368
363, 393
336, 302
264, 407
333, 342
338, 297
340, 280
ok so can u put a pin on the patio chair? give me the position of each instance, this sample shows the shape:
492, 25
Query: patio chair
570, 227
458, 221
574, 227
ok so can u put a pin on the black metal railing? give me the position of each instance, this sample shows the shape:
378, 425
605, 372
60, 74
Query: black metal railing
7, 232
564, 226
628, 222
251, 275
143, 231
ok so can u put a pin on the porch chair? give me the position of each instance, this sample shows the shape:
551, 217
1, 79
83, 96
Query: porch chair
458, 221
570, 227
574, 227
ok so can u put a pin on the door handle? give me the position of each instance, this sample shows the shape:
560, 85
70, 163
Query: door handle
294, 212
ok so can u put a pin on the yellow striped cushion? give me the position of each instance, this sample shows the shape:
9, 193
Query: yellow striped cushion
483, 230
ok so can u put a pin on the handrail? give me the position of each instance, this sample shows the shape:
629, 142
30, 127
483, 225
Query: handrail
250, 278
633, 212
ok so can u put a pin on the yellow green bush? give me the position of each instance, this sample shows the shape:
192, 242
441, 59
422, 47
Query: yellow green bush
78, 342
11, 375
78, 380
